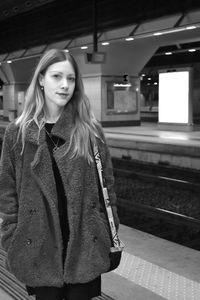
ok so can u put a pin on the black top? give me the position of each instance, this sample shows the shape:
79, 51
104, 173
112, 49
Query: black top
62, 199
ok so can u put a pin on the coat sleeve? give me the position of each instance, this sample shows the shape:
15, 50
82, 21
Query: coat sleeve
109, 178
8, 195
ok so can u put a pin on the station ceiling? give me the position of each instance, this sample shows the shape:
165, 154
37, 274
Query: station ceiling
25, 24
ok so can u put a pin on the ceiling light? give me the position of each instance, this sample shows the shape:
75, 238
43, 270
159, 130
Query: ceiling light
122, 85
157, 33
191, 50
129, 39
155, 83
9, 61
168, 53
149, 78
143, 75
105, 43
66, 50
191, 27
84, 47
173, 30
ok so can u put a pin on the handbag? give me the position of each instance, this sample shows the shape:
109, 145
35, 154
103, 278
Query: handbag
117, 245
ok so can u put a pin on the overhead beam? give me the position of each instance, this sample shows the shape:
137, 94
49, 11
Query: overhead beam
135, 29
180, 20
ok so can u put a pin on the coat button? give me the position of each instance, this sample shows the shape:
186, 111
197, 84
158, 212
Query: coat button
95, 239
28, 241
32, 211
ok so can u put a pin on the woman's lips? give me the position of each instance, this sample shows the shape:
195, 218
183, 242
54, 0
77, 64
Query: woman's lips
62, 94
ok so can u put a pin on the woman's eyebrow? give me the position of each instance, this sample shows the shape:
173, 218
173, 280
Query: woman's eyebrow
60, 72
55, 71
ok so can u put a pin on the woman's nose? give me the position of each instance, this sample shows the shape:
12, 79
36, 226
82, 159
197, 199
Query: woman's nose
64, 83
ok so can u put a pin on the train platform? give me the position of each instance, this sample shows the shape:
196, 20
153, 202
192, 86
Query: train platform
150, 143
151, 269
177, 146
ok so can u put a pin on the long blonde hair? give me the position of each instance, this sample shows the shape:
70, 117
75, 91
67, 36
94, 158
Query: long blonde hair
85, 124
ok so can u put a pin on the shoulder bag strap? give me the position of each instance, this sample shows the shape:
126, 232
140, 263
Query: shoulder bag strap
117, 243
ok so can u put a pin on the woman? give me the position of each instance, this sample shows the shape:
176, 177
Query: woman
55, 230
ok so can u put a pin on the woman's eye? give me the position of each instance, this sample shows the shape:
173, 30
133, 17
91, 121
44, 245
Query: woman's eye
72, 79
56, 76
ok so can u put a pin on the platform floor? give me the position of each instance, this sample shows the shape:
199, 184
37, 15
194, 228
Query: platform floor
176, 145
149, 143
152, 132
153, 269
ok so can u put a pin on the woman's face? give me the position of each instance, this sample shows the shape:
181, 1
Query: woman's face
59, 84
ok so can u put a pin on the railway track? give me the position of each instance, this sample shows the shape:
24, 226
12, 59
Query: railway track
186, 184
156, 219
161, 169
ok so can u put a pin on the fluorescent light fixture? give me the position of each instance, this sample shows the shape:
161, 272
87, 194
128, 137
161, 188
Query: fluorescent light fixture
105, 43
170, 31
9, 61
122, 84
129, 39
66, 50
84, 47
168, 53
191, 50
191, 27
158, 33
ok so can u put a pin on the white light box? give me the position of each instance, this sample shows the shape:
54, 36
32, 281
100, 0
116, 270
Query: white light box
174, 96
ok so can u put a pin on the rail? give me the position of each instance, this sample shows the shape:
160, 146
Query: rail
182, 179
186, 184
162, 214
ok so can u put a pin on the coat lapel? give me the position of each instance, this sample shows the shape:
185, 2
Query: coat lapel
43, 174
41, 164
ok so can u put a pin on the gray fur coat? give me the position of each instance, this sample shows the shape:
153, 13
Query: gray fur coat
31, 233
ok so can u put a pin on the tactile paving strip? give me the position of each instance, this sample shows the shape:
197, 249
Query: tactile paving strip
158, 280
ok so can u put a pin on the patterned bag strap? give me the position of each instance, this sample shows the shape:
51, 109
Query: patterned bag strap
118, 244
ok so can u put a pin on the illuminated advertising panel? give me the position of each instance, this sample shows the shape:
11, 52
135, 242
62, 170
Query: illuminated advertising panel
174, 96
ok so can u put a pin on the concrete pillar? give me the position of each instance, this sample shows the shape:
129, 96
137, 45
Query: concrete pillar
12, 99
16, 76
98, 80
